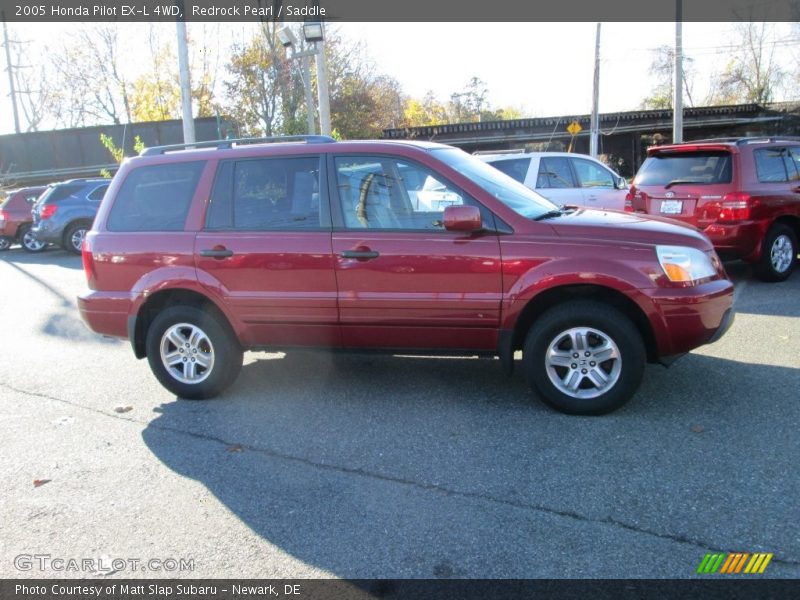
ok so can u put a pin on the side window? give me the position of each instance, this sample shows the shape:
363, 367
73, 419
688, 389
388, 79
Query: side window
266, 194
97, 194
592, 175
554, 172
770, 165
513, 167
384, 193
155, 198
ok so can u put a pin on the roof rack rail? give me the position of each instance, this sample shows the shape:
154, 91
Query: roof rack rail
749, 140
227, 144
508, 151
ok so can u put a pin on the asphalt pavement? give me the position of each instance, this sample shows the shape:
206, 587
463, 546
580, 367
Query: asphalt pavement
364, 466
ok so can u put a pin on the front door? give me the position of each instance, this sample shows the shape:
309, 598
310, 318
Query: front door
403, 280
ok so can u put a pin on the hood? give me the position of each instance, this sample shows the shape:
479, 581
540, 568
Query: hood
627, 227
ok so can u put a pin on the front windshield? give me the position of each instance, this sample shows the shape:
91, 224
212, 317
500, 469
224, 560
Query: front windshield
510, 192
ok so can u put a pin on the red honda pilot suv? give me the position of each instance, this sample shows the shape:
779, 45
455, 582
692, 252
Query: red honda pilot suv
197, 255
744, 194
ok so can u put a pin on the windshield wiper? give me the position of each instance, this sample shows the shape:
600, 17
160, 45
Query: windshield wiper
550, 214
681, 182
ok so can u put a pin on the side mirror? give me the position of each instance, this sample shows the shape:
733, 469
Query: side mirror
621, 183
462, 218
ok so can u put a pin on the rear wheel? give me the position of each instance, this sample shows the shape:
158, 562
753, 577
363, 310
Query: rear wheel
584, 358
5, 243
192, 352
29, 241
74, 236
778, 254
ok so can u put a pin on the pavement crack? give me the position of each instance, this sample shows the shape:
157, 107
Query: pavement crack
430, 487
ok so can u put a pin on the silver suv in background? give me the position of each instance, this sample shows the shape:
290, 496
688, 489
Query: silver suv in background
564, 178
65, 212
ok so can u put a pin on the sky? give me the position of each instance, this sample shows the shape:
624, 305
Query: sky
543, 69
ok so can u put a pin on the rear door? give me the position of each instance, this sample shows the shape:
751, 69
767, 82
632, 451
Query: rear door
556, 181
598, 185
266, 249
404, 281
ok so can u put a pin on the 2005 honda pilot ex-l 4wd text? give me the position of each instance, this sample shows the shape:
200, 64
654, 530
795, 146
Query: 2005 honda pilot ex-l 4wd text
199, 254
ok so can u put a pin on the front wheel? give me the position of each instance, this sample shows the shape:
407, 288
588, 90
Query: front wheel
778, 254
5, 243
30, 242
584, 358
192, 352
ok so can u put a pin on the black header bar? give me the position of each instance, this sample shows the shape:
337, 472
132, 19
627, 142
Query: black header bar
398, 11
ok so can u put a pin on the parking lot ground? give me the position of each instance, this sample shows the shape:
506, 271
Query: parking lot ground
363, 466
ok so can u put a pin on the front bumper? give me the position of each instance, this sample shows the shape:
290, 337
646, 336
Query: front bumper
687, 318
47, 233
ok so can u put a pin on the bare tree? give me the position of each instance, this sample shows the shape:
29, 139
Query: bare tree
752, 74
663, 70
90, 67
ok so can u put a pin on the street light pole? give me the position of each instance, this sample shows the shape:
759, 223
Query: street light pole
309, 95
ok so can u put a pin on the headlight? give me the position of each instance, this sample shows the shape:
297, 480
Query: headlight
684, 264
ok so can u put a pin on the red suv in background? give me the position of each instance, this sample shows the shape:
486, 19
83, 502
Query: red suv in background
16, 219
197, 255
743, 193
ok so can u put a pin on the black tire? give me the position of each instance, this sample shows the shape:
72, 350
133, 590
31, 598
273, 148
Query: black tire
225, 352
28, 241
601, 322
5, 243
778, 254
73, 236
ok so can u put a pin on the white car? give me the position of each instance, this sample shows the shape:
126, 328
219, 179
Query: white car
564, 178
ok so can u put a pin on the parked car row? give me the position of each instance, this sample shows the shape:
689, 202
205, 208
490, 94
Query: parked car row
58, 214
198, 254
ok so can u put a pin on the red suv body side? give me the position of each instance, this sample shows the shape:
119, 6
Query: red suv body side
440, 291
735, 205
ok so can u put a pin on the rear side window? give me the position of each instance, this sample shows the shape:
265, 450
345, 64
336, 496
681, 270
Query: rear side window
98, 193
155, 198
775, 165
266, 194
686, 167
58, 193
554, 172
513, 167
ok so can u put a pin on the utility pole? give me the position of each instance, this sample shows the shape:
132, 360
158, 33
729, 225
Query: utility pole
595, 125
677, 104
10, 70
186, 87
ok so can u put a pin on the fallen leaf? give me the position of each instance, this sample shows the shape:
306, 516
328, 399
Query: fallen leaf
698, 428
123, 409
40, 482
235, 448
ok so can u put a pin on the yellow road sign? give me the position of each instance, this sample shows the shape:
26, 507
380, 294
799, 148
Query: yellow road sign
574, 128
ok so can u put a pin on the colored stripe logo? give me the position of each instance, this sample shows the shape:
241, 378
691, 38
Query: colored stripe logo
734, 563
